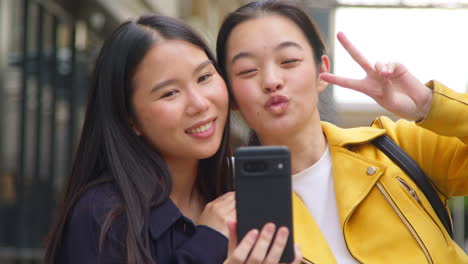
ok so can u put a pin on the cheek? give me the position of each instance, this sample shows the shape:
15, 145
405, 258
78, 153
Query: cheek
155, 119
219, 95
244, 92
304, 81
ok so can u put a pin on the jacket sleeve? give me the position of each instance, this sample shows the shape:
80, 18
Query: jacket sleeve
449, 113
439, 143
207, 246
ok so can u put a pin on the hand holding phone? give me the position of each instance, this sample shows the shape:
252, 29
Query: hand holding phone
252, 248
263, 191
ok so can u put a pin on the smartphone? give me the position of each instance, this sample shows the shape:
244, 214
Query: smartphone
263, 191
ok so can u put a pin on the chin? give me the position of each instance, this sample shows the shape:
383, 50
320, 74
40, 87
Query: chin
207, 153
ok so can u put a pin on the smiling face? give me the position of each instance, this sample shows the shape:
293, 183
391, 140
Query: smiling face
273, 75
179, 101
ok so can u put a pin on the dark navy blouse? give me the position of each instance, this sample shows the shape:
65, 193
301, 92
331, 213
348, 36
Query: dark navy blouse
174, 238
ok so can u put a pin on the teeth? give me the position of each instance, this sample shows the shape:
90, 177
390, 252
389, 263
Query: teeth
200, 129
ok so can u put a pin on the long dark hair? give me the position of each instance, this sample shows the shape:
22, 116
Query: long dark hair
109, 150
256, 9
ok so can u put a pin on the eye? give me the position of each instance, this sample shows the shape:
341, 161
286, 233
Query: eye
204, 77
290, 61
170, 94
245, 72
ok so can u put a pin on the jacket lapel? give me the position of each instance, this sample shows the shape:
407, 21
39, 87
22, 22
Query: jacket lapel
351, 179
353, 174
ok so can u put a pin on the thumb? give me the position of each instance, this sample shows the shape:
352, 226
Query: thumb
232, 227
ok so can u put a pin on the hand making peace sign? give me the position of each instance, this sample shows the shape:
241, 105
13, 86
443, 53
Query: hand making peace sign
391, 85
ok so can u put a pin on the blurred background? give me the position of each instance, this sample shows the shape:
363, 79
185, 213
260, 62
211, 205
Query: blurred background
48, 47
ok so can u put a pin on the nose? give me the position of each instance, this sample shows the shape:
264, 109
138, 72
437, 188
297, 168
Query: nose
197, 102
272, 80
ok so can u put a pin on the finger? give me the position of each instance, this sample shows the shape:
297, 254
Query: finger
384, 73
391, 68
388, 69
235, 213
226, 207
241, 252
228, 195
229, 215
223, 203
397, 70
220, 199
232, 227
277, 247
232, 214
355, 53
228, 201
263, 243
342, 81
380, 67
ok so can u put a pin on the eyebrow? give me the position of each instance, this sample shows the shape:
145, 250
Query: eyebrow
282, 45
200, 67
288, 44
161, 85
241, 55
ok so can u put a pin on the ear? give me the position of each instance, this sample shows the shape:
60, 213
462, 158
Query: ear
135, 127
324, 68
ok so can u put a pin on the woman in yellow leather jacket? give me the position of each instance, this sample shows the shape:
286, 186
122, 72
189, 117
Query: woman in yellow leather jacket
352, 204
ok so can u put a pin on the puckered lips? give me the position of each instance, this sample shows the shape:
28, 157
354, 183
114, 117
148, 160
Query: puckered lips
202, 129
276, 104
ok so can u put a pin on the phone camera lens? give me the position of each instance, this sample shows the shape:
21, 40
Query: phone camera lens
255, 166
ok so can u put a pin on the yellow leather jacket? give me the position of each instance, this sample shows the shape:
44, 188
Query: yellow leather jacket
384, 215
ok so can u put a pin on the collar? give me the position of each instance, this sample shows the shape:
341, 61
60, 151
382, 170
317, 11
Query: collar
163, 217
340, 137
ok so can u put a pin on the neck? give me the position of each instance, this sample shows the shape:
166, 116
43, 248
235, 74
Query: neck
184, 193
306, 144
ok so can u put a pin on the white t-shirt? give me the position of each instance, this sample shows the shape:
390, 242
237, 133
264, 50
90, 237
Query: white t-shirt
314, 186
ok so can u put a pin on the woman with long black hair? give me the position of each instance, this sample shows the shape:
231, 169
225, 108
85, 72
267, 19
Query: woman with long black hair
153, 156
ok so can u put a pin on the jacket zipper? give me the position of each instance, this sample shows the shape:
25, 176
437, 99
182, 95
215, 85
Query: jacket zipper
410, 190
306, 261
406, 223
413, 193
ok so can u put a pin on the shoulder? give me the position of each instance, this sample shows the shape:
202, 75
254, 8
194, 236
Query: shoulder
90, 212
95, 203
81, 236
340, 137
385, 122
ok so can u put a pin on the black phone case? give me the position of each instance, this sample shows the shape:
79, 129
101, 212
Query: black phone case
263, 192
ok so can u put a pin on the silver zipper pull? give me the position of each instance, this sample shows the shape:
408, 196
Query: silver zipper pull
410, 190
413, 193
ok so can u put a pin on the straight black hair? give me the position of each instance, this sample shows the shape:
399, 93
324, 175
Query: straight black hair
110, 151
260, 8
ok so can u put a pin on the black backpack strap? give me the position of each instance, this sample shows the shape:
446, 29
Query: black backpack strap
409, 166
